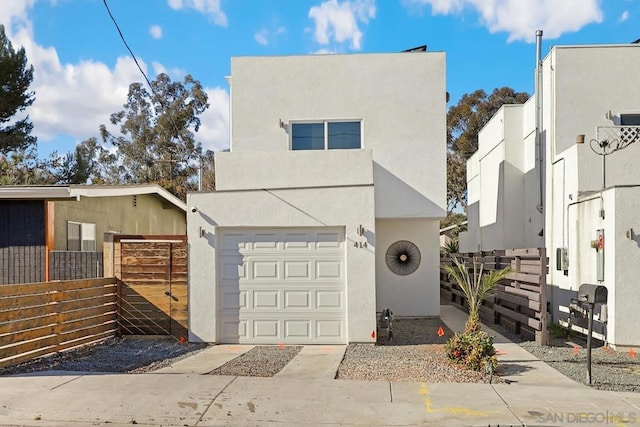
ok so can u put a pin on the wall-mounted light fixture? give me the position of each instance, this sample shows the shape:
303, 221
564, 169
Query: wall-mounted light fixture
580, 139
360, 230
282, 124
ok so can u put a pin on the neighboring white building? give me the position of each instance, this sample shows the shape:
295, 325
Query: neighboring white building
590, 91
334, 158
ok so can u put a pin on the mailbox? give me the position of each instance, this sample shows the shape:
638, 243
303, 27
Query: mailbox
592, 294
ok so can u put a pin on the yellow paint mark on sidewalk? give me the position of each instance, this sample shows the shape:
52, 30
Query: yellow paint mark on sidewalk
455, 410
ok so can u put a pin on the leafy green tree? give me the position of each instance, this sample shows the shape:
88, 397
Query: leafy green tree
464, 121
80, 165
157, 136
15, 97
23, 167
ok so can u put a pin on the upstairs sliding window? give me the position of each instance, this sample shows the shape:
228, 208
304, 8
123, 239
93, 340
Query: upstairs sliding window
326, 135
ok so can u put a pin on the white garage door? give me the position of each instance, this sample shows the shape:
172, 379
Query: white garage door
282, 286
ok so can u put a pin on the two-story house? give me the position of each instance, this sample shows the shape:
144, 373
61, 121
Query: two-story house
327, 206
566, 196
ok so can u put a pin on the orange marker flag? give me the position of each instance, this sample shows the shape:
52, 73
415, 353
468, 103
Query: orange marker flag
182, 340
373, 334
607, 348
440, 331
576, 350
281, 346
632, 353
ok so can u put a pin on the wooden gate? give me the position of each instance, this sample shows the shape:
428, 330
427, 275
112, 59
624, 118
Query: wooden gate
153, 292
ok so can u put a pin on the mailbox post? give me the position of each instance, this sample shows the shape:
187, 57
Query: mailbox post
590, 295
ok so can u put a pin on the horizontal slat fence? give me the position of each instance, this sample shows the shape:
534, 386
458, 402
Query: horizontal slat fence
39, 319
519, 302
73, 265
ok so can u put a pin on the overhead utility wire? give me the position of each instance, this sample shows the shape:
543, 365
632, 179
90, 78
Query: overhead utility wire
126, 44
113, 19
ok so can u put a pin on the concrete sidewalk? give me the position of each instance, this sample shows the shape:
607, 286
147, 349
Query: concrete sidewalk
206, 400
304, 393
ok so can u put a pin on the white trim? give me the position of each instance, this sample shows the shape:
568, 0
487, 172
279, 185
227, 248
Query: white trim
76, 191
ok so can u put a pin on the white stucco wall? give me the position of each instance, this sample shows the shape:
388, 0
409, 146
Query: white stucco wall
624, 312
250, 170
399, 97
347, 207
417, 294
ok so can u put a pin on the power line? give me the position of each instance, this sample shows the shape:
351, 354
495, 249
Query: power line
127, 44
153, 91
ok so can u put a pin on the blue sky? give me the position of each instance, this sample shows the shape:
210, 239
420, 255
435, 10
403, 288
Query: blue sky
82, 68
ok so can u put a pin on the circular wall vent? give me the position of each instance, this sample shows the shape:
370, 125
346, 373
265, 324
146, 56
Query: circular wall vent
403, 257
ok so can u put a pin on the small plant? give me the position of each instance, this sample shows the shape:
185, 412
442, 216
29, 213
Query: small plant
473, 348
451, 247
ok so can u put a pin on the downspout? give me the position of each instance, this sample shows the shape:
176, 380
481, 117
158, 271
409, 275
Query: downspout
538, 120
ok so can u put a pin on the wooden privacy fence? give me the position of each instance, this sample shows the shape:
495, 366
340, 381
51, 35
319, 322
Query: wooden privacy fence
152, 270
519, 302
38, 319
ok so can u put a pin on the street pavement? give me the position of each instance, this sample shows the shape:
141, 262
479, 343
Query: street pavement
305, 393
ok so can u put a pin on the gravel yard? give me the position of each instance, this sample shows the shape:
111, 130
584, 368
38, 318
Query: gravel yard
610, 370
260, 361
127, 354
416, 353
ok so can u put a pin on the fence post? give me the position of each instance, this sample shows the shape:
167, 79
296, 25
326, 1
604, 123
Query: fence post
543, 338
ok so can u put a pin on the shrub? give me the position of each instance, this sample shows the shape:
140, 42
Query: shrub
474, 350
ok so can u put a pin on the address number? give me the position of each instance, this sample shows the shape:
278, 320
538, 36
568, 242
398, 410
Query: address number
360, 245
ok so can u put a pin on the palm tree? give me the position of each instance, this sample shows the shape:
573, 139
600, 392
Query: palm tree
476, 284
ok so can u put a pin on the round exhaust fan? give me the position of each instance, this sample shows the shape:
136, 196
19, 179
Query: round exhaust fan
403, 257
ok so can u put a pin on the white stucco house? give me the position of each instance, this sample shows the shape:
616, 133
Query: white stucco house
327, 205
563, 199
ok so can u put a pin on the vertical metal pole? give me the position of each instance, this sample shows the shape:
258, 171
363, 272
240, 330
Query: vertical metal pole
200, 174
590, 331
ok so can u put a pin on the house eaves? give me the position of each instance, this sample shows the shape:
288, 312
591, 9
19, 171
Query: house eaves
22, 192
126, 190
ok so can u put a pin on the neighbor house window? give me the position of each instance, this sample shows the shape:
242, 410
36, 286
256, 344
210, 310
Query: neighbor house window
326, 135
81, 236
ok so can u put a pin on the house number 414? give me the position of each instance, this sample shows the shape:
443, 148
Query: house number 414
360, 245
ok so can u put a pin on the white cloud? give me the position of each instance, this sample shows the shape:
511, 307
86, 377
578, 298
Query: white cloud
72, 100
261, 37
14, 14
266, 37
521, 18
206, 7
214, 129
624, 16
340, 21
155, 31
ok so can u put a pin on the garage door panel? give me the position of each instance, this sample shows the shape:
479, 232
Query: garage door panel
233, 269
266, 329
265, 241
233, 243
328, 269
297, 329
265, 300
283, 286
297, 300
328, 240
265, 270
297, 269
329, 328
329, 300
294, 241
